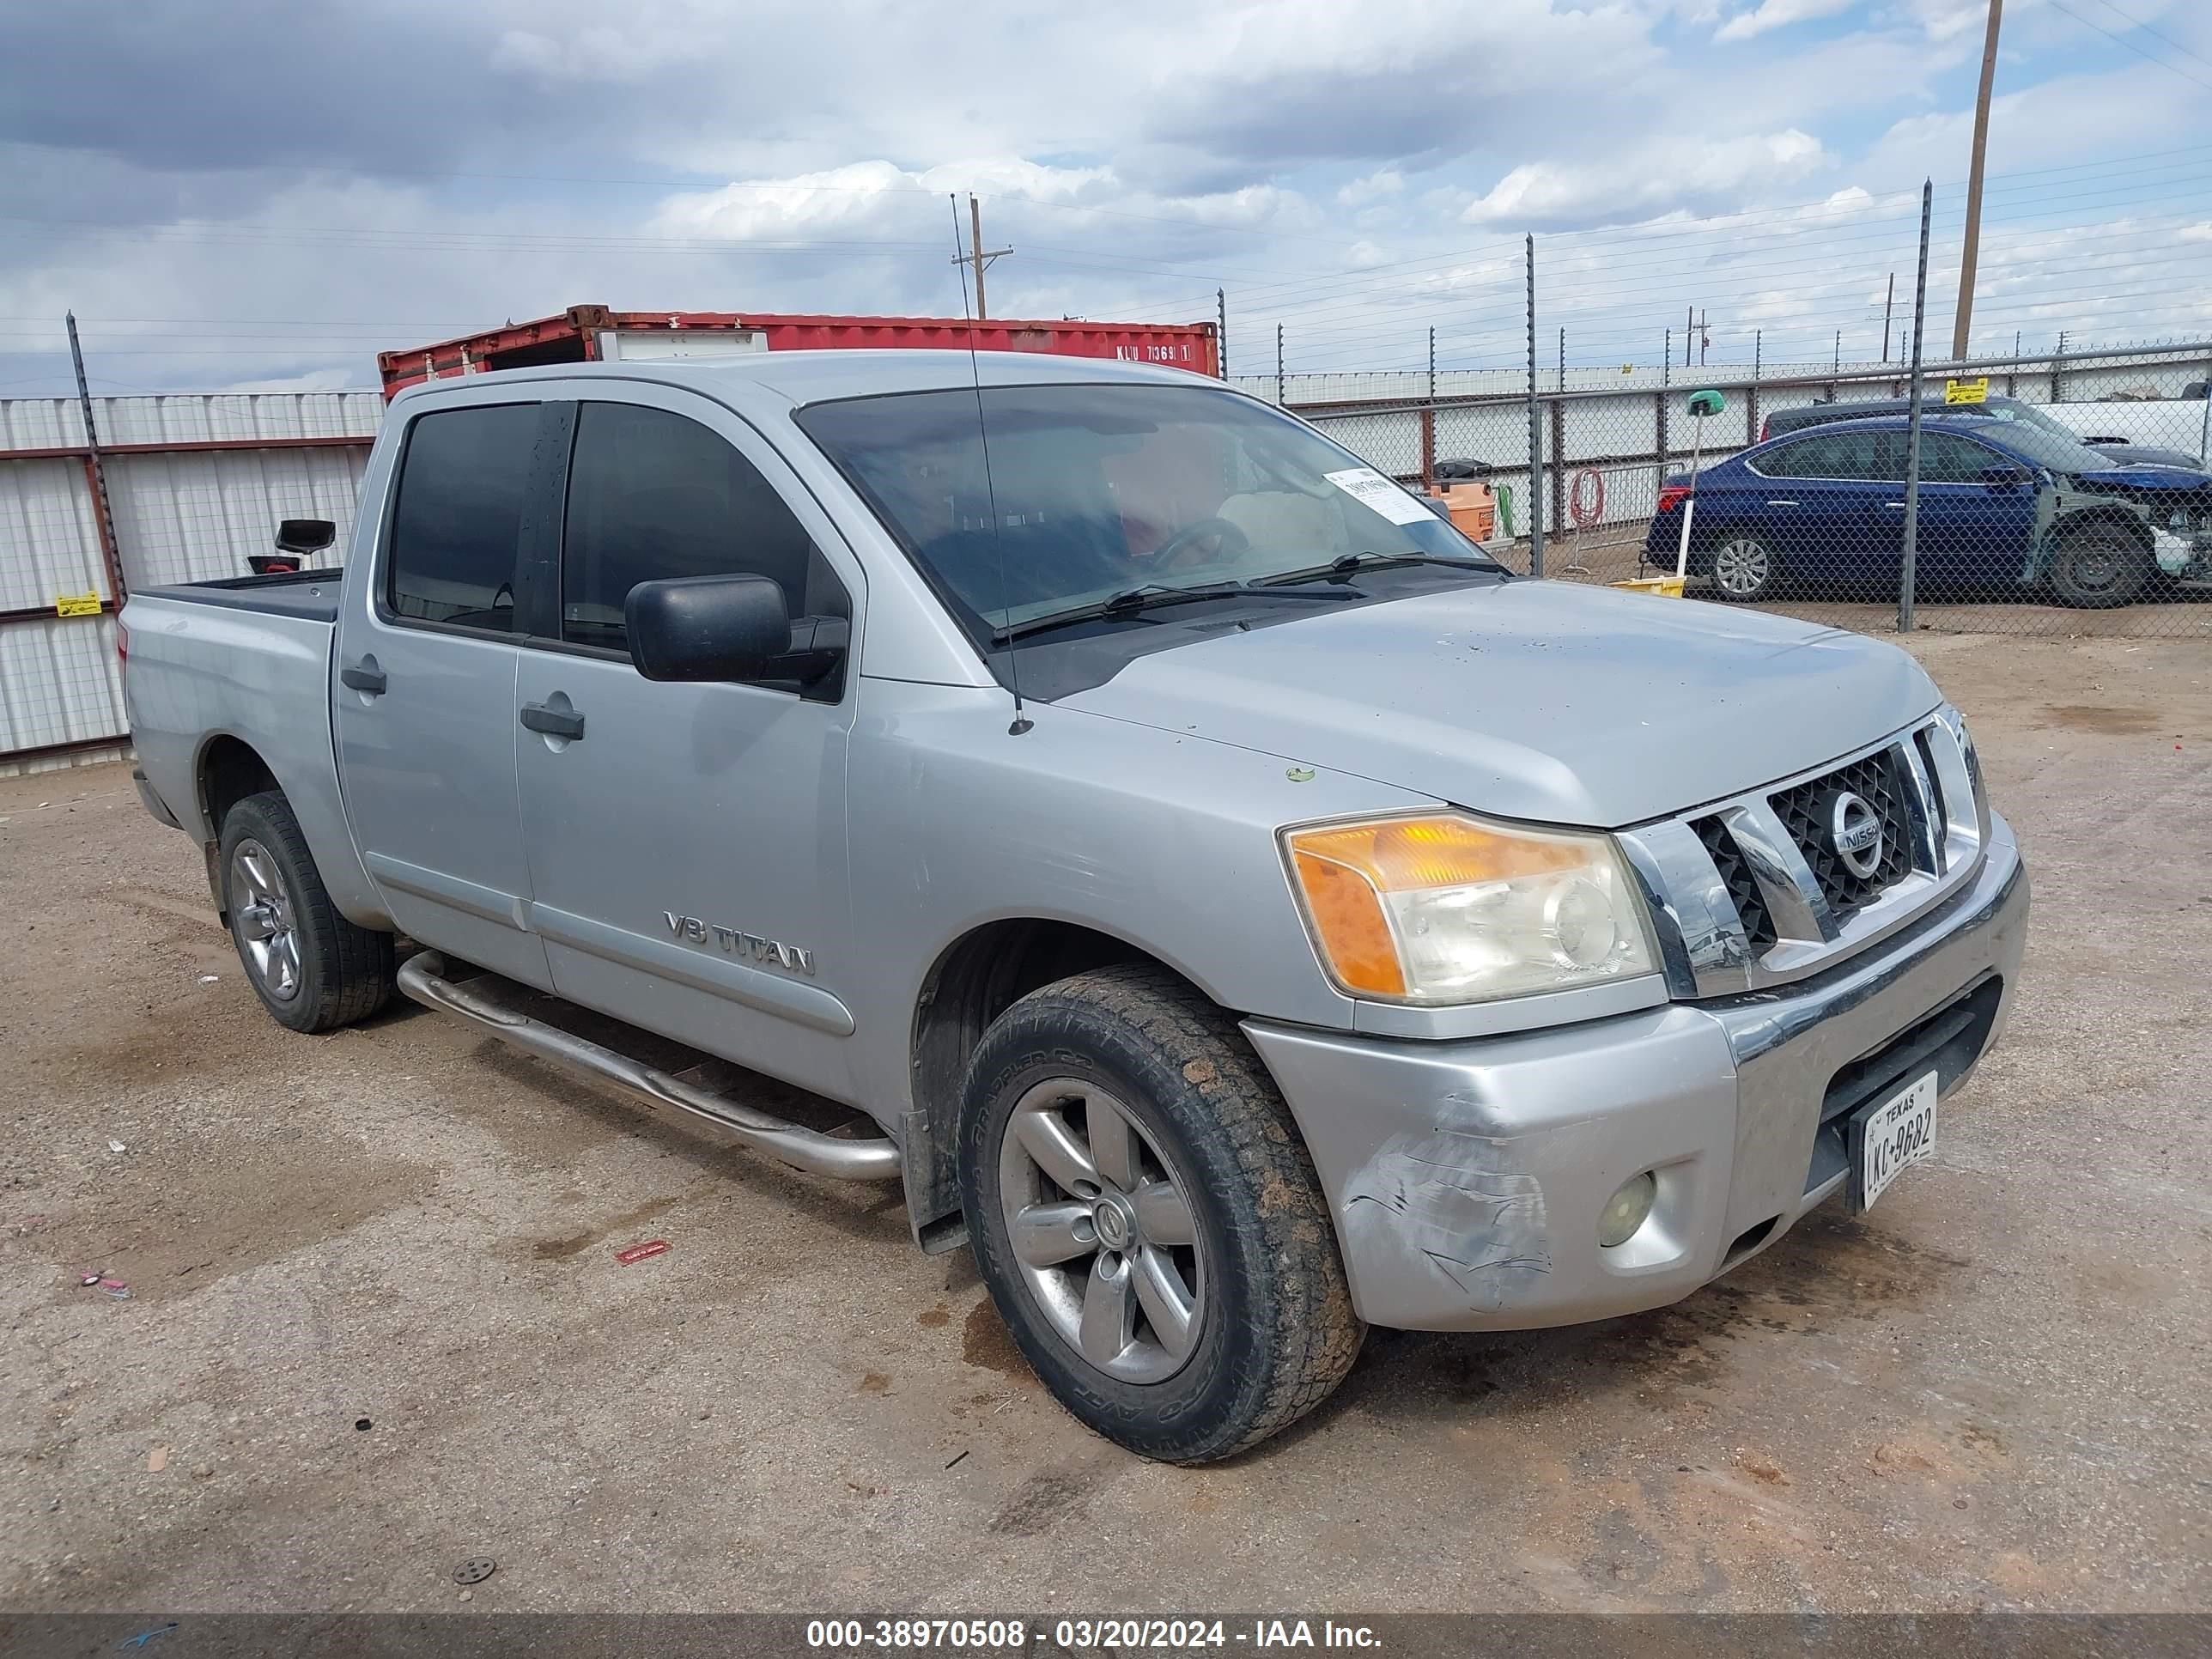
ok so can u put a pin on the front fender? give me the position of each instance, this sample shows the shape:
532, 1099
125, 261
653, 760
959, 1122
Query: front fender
1166, 841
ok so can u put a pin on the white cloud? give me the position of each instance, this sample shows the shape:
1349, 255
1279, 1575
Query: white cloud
1359, 173
1776, 14
1382, 185
1661, 175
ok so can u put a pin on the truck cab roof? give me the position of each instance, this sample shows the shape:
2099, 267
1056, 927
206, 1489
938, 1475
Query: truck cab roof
799, 378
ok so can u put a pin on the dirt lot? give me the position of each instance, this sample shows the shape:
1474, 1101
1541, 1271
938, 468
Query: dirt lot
376, 1325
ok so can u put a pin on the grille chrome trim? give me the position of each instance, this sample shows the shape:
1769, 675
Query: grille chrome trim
1704, 947
1786, 881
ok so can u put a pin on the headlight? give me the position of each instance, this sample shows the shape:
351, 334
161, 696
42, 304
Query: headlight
1449, 910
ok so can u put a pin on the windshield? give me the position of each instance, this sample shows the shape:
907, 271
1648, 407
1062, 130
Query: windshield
1103, 489
2060, 451
2027, 415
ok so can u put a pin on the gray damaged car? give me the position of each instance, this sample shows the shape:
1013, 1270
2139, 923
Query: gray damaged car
1220, 896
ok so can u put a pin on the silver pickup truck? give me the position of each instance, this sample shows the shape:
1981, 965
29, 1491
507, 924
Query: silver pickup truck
1222, 896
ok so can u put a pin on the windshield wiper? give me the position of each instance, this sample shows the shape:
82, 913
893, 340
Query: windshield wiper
1130, 601
1341, 567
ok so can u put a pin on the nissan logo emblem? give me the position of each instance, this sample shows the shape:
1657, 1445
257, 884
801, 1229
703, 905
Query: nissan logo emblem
1855, 831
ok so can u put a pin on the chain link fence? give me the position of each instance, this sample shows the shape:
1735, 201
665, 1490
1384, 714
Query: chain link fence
2059, 494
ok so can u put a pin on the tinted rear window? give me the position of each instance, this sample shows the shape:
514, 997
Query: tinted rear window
458, 522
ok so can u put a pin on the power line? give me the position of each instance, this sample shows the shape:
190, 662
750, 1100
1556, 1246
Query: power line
2148, 56
2137, 23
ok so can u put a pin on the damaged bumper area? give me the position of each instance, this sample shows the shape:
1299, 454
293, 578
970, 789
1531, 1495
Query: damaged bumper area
1468, 1179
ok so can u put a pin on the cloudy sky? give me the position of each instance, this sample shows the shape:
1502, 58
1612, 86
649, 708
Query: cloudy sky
267, 191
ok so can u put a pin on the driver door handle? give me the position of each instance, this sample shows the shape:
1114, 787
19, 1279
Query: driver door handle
363, 676
552, 721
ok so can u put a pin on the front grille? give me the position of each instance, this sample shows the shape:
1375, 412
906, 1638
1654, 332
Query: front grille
1802, 809
1770, 852
1736, 874
1925, 747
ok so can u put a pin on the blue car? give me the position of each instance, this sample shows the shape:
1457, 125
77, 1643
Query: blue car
2003, 506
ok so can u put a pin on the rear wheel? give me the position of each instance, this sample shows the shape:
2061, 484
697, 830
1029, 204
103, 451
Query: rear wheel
1147, 1219
1745, 567
2099, 567
312, 970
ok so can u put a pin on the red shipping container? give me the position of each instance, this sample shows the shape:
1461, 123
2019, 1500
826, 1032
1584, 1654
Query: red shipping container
584, 334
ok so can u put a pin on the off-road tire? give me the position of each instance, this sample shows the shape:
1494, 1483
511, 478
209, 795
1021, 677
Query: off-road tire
1277, 1332
345, 971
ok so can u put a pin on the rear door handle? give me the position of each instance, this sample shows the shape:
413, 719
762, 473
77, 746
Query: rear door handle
552, 721
1781, 503
363, 676
1896, 506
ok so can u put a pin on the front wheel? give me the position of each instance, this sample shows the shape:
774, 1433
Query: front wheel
2099, 567
1746, 568
1147, 1218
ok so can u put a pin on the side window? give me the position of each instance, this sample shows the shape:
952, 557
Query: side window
1782, 462
1947, 458
457, 524
652, 495
1832, 455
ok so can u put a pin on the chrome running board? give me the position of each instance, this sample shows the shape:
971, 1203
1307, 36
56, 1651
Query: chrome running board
420, 979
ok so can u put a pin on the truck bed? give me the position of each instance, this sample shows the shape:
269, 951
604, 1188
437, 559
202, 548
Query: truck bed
313, 594
243, 662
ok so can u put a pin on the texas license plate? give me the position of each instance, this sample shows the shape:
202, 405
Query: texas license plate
1890, 1137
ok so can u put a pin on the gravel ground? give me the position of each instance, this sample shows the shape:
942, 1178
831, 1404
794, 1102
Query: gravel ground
376, 1325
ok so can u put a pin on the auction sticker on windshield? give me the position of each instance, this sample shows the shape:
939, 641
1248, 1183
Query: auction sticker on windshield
1891, 1136
1370, 489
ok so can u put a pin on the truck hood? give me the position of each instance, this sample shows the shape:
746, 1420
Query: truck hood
1535, 700
2148, 455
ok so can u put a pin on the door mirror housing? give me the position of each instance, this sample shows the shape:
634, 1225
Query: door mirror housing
707, 627
305, 535
2005, 477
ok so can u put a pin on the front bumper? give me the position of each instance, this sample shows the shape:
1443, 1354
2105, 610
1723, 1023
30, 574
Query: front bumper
1467, 1178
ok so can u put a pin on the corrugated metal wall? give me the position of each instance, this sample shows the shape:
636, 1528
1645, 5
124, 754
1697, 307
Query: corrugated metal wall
195, 483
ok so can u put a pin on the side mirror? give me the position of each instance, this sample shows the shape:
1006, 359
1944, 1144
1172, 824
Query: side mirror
2005, 477
305, 535
707, 628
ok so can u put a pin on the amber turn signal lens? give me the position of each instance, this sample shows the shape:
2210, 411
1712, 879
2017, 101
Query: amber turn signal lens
1447, 908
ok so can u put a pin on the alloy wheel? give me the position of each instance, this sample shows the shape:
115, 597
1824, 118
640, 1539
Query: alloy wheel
266, 924
1741, 567
1103, 1231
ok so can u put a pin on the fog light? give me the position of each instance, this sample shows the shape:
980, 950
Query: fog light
1624, 1212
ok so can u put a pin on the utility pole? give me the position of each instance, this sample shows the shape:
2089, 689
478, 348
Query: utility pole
1278, 364
1563, 360
1221, 331
1889, 300
1433, 363
1705, 336
1689, 328
977, 255
1964, 320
